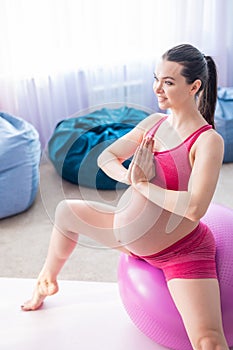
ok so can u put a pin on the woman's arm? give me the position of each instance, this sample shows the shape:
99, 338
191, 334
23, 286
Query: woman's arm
193, 203
111, 159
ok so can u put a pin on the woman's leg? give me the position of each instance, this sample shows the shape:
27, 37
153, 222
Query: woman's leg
198, 301
94, 220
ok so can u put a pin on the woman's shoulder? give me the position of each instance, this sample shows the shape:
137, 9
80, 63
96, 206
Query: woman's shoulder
212, 141
211, 136
151, 120
141, 129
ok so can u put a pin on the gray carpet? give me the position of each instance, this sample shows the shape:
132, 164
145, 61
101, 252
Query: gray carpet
24, 238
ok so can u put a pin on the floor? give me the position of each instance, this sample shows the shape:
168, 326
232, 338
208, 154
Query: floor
85, 315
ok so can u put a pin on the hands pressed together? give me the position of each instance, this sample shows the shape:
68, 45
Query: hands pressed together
142, 167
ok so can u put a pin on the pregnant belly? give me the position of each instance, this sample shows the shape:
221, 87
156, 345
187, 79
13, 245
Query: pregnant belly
145, 228
135, 216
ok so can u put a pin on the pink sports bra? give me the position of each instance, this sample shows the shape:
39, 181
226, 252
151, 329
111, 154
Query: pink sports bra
173, 167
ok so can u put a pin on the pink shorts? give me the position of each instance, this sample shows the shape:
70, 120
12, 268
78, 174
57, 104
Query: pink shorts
193, 256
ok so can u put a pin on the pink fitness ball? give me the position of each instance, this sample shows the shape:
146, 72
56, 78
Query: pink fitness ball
146, 298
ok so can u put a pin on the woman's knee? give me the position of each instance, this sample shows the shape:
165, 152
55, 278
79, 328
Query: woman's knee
212, 340
65, 220
61, 210
65, 217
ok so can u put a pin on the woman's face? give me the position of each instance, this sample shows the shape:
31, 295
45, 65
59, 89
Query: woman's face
170, 86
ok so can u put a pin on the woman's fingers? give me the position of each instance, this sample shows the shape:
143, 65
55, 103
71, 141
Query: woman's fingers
142, 165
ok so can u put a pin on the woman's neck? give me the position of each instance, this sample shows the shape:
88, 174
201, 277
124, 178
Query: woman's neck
186, 116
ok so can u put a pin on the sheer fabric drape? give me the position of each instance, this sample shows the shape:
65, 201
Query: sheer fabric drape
66, 56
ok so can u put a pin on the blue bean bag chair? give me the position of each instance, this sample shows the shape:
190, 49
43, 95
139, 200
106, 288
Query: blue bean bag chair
224, 120
20, 153
77, 142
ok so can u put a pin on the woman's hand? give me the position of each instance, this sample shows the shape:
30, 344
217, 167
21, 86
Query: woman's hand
142, 167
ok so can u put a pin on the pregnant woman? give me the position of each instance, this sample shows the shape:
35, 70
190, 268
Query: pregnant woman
172, 178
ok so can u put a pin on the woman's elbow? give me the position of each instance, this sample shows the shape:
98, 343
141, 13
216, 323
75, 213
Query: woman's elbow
195, 213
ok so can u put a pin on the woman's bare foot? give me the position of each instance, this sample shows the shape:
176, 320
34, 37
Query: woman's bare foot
44, 288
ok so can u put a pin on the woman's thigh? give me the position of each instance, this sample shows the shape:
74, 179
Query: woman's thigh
92, 219
198, 301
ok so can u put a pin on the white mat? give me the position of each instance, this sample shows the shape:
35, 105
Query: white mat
82, 316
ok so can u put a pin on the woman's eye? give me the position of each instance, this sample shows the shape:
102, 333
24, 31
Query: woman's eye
167, 82
155, 77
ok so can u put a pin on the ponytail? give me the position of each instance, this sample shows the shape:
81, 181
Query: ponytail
208, 95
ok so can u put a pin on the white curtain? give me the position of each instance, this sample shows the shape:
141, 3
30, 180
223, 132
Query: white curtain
61, 57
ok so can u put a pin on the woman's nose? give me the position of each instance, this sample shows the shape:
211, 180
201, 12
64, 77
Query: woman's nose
157, 87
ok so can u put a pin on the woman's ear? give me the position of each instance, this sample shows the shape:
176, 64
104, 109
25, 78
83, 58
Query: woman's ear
195, 87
